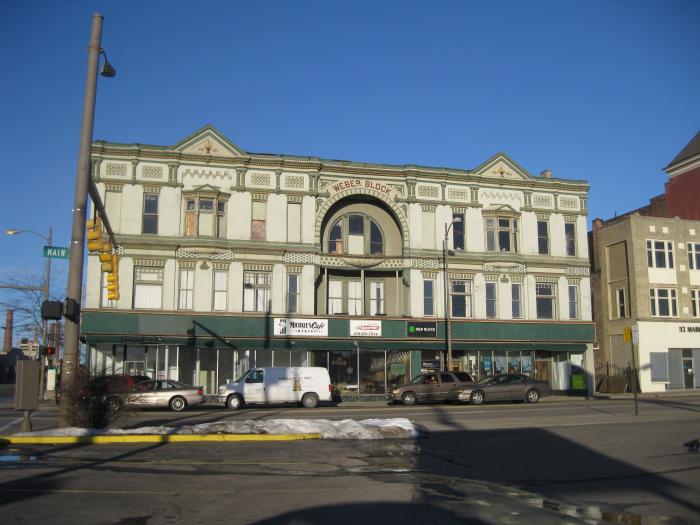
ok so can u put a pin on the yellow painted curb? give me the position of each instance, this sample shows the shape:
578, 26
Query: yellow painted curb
151, 438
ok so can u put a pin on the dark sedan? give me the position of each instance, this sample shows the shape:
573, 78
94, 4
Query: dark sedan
504, 387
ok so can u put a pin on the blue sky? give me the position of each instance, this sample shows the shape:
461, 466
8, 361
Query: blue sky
605, 91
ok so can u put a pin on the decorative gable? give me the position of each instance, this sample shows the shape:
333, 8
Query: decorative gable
502, 167
208, 141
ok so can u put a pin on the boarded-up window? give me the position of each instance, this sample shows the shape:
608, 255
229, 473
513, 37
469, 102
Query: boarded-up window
113, 206
258, 223
617, 262
429, 230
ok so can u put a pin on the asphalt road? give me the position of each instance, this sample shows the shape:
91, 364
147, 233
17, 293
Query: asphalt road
552, 462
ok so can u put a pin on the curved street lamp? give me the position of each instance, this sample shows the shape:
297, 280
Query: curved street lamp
445, 255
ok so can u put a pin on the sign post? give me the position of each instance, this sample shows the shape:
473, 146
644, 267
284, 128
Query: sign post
631, 335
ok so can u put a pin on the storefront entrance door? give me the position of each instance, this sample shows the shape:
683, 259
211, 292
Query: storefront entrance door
688, 373
542, 370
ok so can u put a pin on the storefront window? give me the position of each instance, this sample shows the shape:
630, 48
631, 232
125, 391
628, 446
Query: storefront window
398, 368
526, 362
343, 369
372, 372
485, 364
514, 362
499, 361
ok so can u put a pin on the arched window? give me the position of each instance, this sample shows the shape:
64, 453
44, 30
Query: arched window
355, 234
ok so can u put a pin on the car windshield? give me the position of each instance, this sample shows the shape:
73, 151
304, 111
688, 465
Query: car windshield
177, 384
417, 380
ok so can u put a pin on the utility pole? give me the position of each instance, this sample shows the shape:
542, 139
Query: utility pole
71, 350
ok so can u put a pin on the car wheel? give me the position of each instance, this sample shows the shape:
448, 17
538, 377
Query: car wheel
178, 404
309, 400
409, 398
477, 398
234, 401
532, 396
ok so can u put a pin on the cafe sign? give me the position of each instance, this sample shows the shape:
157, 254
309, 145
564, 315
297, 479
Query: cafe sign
365, 328
285, 326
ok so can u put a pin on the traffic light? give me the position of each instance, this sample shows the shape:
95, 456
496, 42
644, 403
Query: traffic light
113, 280
94, 235
106, 257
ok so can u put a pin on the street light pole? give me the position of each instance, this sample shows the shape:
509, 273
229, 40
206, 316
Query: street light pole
71, 351
446, 283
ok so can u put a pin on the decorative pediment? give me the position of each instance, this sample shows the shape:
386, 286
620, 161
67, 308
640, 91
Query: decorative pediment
207, 142
502, 167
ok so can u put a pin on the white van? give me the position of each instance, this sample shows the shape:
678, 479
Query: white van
305, 385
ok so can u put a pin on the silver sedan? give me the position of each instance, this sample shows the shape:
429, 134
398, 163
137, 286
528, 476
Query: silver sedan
504, 387
165, 393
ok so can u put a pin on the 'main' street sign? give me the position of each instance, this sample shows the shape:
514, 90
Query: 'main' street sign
55, 251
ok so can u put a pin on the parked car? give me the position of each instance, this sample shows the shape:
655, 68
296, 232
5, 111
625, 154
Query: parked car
503, 387
164, 393
306, 385
429, 387
110, 388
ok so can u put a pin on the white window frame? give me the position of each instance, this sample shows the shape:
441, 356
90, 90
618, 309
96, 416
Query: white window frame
516, 302
544, 237
570, 239
695, 302
377, 297
693, 255
467, 294
574, 301
459, 232
146, 287
296, 295
429, 299
540, 286
185, 285
665, 251
657, 296
256, 291
492, 301
493, 230
145, 214
219, 295
620, 305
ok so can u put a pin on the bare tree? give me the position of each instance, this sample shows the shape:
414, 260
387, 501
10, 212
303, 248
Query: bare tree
24, 293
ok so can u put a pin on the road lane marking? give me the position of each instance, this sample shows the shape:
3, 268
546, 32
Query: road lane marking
11, 423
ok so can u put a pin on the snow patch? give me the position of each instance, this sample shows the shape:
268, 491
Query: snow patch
396, 428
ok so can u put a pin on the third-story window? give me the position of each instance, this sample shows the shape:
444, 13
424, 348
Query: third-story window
570, 238
659, 254
491, 300
205, 217
574, 303
259, 221
256, 291
292, 293
695, 302
694, 256
355, 234
517, 300
501, 234
150, 213
663, 302
546, 299
186, 297
543, 237
458, 231
461, 298
376, 298
428, 297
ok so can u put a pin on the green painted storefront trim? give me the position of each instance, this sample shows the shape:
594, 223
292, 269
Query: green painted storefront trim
247, 332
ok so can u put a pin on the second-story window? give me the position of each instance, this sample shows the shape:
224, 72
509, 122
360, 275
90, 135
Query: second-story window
695, 302
150, 213
186, 298
620, 303
219, 290
428, 297
376, 297
660, 254
461, 298
546, 300
256, 291
574, 302
501, 234
293, 293
663, 302
491, 300
516, 300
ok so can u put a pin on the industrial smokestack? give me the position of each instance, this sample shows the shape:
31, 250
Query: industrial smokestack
7, 345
